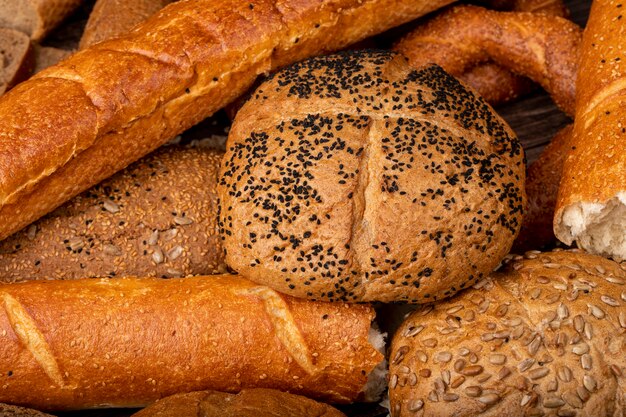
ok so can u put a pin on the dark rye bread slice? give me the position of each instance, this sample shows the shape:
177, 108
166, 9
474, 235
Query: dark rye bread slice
36, 18
156, 218
355, 177
16, 58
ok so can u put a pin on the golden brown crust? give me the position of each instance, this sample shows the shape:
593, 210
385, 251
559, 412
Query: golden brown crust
128, 342
542, 188
16, 58
355, 177
543, 48
111, 18
592, 197
172, 71
36, 18
248, 403
549, 7
545, 337
156, 218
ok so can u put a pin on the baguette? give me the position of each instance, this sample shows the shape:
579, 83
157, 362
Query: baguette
36, 18
156, 218
71, 126
591, 207
545, 336
248, 403
16, 58
128, 342
111, 18
542, 188
543, 48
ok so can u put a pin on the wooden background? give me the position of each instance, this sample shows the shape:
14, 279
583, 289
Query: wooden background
534, 118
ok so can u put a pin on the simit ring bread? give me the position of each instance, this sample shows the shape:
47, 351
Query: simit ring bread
354, 177
546, 337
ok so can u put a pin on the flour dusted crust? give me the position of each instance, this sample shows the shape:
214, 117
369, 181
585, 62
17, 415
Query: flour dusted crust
355, 177
545, 337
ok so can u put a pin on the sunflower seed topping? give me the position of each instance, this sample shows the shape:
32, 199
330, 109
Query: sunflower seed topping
457, 382
443, 357
154, 238
553, 385
416, 405
175, 253
609, 301
562, 311
431, 342
110, 206
553, 402
538, 373
157, 255
572, 399
579, 323
472, 370
585, 361
112, 250
412, 331
489, 399
473, 391
449, 397
497, 359
596, 311
525, 364
590, 383
182, 221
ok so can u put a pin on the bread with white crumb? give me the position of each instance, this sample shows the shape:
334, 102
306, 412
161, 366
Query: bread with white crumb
157, 218
127, 342
544, 337
355, 177
247, 403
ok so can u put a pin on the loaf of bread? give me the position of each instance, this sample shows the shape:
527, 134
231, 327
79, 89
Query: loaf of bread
543, 48
47, 56
547, 336
13, 411
248, 403
75, 124
542, 188
112, 18
16, 58
591, 208
36, 18
354, 177
128, 342
156, 218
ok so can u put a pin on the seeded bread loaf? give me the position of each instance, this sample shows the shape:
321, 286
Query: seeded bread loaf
130, 341
355, 177
77, 123
111, 18
591, 207
16, 58
156, 218
13, 411
248, 403
36, 18
547, 336
543, 48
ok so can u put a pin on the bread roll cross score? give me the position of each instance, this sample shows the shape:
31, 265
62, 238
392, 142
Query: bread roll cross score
355, 177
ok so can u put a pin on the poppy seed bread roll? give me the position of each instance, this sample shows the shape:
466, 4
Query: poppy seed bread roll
354, 177
545, 337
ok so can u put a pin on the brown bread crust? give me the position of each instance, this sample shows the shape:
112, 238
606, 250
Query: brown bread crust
545, 337
542, 188
248, 403
111, 18
128, 342
16, 58
593, 176
36, 18
158, 218
543, 48
355, 177
70, 127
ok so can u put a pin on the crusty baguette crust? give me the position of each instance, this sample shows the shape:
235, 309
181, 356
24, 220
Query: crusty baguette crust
69, 127
543, 48
156, 218
592, 194
248, 403
128, 342
542, 188
36, 18
111, 18
547, 336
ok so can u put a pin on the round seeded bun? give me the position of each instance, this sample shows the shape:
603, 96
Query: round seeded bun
545, 337
355, 177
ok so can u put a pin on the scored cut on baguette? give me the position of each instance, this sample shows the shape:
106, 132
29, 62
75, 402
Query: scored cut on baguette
591, 208
127, 342
247, 403
111, 18
16, 58
35, 18
546, 336
543, 48
355, 177
69, 127
157, 218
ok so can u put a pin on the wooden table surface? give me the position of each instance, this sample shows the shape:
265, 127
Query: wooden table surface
534, 118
